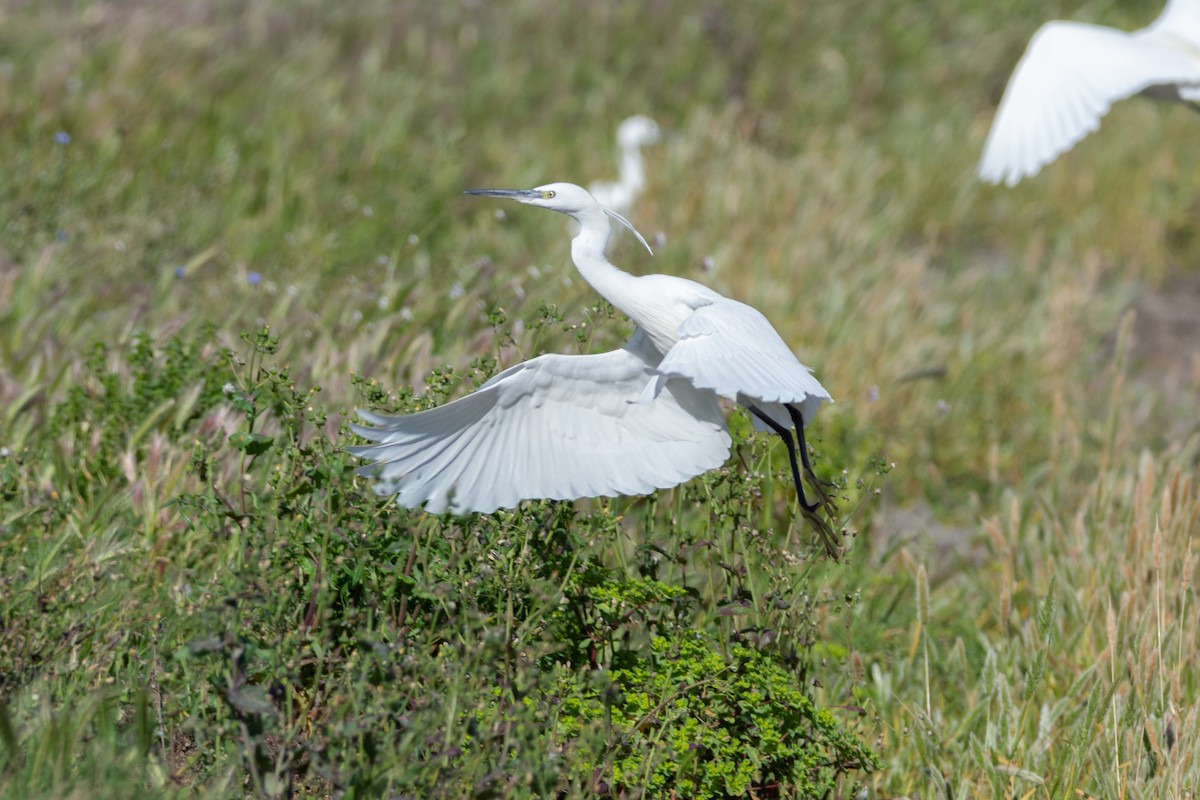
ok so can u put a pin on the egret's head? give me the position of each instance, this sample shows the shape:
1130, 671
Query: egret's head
566, 198
637, 131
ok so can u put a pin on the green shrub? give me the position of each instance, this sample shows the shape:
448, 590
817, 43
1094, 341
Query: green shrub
686, 720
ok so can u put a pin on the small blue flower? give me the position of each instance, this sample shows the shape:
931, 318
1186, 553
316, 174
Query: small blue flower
180, 271
60, 235
62, 137
254, 278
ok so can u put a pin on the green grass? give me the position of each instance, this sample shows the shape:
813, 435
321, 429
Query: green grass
257, 225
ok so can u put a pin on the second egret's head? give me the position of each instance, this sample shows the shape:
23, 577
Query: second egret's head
637, 131
566, 198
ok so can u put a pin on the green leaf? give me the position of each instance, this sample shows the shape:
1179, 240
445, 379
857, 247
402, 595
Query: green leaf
250, 700
252, 444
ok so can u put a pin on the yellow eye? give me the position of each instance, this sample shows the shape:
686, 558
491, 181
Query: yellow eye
549, 195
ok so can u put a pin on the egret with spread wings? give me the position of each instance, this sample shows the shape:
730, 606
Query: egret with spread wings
1070, 76
644, 417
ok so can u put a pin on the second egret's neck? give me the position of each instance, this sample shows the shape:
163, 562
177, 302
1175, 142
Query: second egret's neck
633, 173
587, 251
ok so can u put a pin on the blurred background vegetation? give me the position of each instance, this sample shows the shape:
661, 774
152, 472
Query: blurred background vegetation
227, 224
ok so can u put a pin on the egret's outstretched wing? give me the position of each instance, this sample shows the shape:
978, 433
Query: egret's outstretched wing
555, 427
1179, 18
1069, 77
732, 349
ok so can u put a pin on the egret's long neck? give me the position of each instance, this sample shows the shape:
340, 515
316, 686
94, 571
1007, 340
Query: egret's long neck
587, 251
633, 173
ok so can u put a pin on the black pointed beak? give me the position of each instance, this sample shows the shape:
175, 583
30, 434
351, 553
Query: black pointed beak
515, 194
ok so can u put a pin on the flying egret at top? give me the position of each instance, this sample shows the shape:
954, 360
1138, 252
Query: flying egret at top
632, 134
644, 417
1073, 72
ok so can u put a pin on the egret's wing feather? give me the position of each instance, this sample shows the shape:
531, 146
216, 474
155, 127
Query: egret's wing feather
1180, 18
554, 427
732, 349
1069, 77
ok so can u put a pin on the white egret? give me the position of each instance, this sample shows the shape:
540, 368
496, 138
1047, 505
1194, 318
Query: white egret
629, 421
632, 135
1073, 72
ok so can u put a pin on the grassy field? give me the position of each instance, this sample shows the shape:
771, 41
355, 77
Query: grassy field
226, 225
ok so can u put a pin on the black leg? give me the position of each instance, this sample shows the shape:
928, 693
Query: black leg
798, 421
786, 435
828, 537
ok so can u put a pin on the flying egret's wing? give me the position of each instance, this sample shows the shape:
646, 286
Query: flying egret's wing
732, 349
1180, 19
1068, 78
555, 427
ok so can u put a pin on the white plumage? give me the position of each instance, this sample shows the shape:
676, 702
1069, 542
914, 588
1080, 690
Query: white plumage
555, 427
632, 135
1070, 76
630, 421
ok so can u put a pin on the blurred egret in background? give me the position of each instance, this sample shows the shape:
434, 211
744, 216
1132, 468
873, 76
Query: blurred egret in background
632, 135
644, 417
1073, 72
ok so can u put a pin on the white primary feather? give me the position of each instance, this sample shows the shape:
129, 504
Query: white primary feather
1070, 76
626, 422
555, 427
